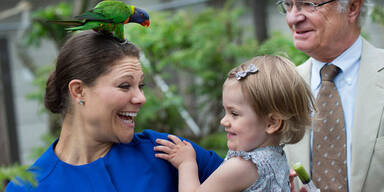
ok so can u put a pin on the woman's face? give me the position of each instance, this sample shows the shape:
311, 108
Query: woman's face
113, 101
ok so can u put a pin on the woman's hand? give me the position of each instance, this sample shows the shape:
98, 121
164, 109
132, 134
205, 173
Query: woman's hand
177, 152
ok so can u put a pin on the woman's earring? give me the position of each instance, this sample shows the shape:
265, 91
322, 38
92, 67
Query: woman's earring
82, 102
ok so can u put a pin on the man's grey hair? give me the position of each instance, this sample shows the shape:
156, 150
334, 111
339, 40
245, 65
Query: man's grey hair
363, 10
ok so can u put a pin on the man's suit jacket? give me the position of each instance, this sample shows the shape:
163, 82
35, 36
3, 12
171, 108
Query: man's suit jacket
367, 166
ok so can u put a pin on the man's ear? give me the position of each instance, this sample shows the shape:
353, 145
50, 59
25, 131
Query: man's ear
274, 122
76, 90
354, 9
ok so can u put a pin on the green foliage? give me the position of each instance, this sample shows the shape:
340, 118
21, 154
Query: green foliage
205, 46
281, 45
216, 142
377, 14
159, 112
10, 173
40, 29
47, 139
200, 47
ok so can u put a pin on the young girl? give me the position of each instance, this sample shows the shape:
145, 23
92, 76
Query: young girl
267, 104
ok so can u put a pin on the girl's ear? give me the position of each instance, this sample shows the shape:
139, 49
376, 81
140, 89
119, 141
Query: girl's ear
274, 122
76, 90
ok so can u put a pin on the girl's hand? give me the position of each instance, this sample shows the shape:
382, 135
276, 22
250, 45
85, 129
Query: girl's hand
176, 152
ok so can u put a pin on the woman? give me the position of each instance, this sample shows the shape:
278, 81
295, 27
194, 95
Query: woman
97, 87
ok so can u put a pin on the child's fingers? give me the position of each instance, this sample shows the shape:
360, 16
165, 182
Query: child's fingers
187, 143
165, 143
162, 156
163, 149
292, 175
175, 139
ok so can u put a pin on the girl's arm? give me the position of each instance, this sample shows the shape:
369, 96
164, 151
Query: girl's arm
235, 174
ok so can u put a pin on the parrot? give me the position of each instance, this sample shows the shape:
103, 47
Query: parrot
108, 16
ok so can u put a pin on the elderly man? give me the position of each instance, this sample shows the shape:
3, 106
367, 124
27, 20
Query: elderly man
344, 149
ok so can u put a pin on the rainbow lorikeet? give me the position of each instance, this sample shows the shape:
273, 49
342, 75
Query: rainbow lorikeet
108, 16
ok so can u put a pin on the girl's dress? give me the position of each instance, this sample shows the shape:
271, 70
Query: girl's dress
272, 168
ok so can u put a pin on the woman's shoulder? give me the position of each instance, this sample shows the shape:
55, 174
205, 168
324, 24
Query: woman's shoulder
142, 143
41, 169
44, 165
142, 138
151, 135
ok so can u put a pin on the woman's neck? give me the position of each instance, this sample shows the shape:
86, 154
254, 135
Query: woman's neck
76, 146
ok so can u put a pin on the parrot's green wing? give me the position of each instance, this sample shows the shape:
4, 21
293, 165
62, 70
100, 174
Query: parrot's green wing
108, 11
91, 16
88, 25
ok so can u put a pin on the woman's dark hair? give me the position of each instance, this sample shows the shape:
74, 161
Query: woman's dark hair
85, 56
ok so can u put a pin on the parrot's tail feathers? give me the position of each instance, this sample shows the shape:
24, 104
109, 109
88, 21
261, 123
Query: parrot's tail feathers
67, 23
90, 16
96, 19
75, 28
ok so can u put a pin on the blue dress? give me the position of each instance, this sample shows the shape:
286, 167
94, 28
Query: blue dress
126, 167
272, 168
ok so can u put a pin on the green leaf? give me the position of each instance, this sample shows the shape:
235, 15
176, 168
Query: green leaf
377, 14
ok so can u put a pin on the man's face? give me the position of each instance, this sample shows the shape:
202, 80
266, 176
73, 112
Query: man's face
319, 32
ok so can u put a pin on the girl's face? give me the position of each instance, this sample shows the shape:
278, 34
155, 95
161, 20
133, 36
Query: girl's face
113, 101
245, 129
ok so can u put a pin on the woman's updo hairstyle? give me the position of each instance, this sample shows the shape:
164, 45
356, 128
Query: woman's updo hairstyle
85, 56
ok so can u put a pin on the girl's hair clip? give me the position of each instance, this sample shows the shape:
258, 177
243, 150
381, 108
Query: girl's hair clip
243, 74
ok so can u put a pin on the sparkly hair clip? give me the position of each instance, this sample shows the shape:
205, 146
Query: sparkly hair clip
243, 74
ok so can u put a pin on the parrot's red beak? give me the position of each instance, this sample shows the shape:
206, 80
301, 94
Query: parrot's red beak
145, 23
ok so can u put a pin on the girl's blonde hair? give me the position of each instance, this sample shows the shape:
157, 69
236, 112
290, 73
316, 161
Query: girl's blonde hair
278, 88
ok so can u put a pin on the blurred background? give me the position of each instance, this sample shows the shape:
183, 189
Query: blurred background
187, 52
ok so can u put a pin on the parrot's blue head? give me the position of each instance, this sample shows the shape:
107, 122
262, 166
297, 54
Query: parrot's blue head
140, 16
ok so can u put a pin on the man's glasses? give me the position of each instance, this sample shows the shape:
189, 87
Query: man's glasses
307, 6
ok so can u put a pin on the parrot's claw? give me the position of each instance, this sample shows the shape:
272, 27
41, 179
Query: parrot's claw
125, 41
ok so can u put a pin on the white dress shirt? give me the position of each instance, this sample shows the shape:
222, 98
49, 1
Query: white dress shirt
345, 81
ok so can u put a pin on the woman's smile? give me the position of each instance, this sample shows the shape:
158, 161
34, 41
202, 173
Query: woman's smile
128, 118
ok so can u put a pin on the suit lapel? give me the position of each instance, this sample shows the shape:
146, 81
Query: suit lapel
305, 71
368, 107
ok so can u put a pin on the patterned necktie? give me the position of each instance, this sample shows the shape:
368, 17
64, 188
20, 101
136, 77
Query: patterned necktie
329, 165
